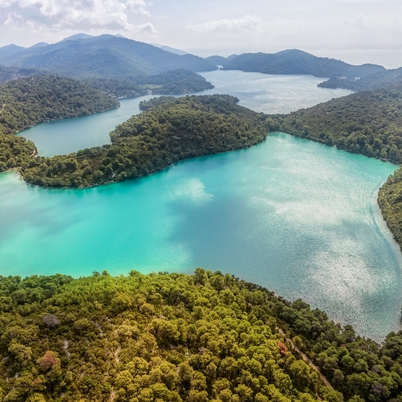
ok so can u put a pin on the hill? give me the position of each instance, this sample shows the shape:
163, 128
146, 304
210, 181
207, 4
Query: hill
104, 56
29, 101
171, 129
378, 80
175, 337
298, 62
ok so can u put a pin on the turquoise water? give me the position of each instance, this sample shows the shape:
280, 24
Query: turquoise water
65, 136
292, 215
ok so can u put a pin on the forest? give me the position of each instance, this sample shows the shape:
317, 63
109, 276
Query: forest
172, 129
177, 337
29, 101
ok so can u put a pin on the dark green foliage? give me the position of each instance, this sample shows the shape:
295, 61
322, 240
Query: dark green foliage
172, 129
390, 201
29, 101
298, 62
368, 123
15, 152
175, 337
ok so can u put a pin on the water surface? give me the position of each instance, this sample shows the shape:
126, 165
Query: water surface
295, 216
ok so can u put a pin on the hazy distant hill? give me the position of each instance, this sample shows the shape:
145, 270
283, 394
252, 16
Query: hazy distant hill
378, 80
170, 49
104, 56
217, 60
298, 62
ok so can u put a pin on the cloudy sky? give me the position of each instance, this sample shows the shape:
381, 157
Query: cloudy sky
207, 27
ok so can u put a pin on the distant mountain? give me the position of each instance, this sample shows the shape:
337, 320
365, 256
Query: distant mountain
78, 36
10, 50
217, 60
170, 49
298, 62
104, 56
40, 44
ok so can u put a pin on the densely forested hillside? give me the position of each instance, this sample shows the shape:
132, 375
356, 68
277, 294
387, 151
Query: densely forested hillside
15, 151
390, 201
369, 123
175, 337
170, 130
295, 61
29, 101
104, 56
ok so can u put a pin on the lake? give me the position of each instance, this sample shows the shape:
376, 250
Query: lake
295, 216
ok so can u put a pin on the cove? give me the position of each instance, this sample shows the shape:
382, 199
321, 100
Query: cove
295, 216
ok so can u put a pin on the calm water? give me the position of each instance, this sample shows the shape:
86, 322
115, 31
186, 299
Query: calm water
260, 92
295, 216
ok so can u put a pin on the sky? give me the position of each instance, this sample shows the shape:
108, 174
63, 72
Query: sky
206, 27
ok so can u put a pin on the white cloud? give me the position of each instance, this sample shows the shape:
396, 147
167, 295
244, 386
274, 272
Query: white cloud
65, 14
247, 23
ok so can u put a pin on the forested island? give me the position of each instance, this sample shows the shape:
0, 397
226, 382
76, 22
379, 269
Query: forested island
176, 337
169, 130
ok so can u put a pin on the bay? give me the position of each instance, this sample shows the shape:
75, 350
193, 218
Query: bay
295, 216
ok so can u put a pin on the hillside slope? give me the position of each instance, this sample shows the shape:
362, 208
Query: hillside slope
175, 337
29, 101
172, 129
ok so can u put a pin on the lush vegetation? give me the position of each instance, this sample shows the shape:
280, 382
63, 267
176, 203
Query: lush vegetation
371, 82
104, 56
172, 129
15, 152
368, 123
174, 82
297, 62
29, 101
176, 337
390, 201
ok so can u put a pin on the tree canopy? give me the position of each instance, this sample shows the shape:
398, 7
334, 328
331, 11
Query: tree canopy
176, 337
